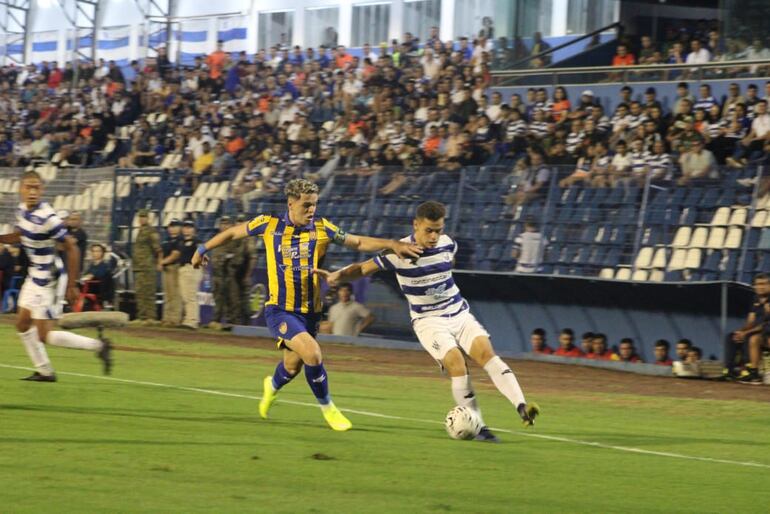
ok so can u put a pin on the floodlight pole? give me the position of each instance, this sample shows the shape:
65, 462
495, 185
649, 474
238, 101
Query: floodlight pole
16, 21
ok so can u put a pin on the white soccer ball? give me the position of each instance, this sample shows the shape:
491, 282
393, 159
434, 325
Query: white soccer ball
462, 423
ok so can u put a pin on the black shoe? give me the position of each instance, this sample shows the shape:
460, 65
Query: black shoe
528, 413
750, 376
37, 377
105, 355
486, 436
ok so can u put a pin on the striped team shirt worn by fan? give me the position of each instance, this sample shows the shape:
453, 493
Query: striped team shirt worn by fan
292, 253
40, 230
427, 282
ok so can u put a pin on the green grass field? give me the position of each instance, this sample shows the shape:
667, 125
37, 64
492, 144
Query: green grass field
87, 444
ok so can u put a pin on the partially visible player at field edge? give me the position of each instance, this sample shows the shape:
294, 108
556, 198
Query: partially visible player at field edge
295, 244
41, 233
440, 315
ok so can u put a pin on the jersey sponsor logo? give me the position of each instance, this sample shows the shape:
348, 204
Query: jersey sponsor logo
439, 291
259, 220
283, 268
431, 278
300, 252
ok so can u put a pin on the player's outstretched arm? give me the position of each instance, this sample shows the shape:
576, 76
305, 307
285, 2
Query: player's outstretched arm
349, 273
237, 232
375, 244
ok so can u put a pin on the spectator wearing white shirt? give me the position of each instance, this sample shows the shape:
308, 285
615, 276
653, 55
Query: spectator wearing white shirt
528, 249
698, 54
494, 111
697, 164
621, 162
755, 140
659, 163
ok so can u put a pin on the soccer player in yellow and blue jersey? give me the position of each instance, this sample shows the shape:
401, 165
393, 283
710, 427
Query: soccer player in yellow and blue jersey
296, 244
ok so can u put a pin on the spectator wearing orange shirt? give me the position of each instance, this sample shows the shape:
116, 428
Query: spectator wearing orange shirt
217, 60
599, 349
567, 346
234, 143
560, 105
623, 57
343, 60
537, 342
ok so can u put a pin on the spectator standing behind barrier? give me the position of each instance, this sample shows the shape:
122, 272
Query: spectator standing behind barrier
74, 227
146, 253
662, 348
586, 343
189, 277
567, 346
627, 351
169, 266
248, 246
528, 249
225, 263
99, 270
599, 350
347, 317
537, 342
682, 347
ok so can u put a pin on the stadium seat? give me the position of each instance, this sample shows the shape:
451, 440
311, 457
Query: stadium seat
677, 261
693, 258
659, 259
738, 217
623, 274
721, 217
699, 238
682, 237
716, 238
656, 275
759, 219
607, 273
644, 258
640, 275
733, 238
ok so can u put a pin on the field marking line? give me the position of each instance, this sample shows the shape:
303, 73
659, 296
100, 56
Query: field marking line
604, 446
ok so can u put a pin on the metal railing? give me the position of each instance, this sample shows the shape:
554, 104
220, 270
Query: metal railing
626, 74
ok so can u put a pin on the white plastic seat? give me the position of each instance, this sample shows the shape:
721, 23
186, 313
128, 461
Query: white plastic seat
222, 191
202, 190
623, 274
682, 237
170, 204
759, 219
201, 204
677, 260
721, 217
640, 275
738, 217
644, 258
733, 238
607, 273
659, 260
693, 258
213, 206
716, 238
656, 275
699, 237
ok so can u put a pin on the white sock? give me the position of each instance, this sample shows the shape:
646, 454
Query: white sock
505, 380
36, 351
464, 395
70, 340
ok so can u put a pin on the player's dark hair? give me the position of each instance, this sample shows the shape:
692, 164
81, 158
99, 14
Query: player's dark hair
588, 335
627, 340
685, 341
539, 332
430, 210
663, 343
568, 332
761, 276
603, 337
697, 350
346, 285
31, 174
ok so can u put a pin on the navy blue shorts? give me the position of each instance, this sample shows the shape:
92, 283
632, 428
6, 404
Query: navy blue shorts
285, 325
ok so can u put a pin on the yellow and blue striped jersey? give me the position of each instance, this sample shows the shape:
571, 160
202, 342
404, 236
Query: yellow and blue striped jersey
292, 253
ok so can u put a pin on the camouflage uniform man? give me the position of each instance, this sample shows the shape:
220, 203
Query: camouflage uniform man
145, 257
224, 263
249, 262
169, 265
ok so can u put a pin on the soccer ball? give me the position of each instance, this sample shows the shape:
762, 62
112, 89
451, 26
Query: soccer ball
462, 423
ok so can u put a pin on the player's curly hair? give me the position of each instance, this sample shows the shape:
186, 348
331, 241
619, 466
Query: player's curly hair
299, 186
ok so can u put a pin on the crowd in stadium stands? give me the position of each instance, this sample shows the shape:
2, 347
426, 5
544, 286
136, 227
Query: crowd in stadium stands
594, 346
313, 112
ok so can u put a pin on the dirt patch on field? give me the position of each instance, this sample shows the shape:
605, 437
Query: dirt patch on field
537, 377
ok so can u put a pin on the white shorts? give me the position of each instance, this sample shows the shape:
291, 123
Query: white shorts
44, 302
439, 335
